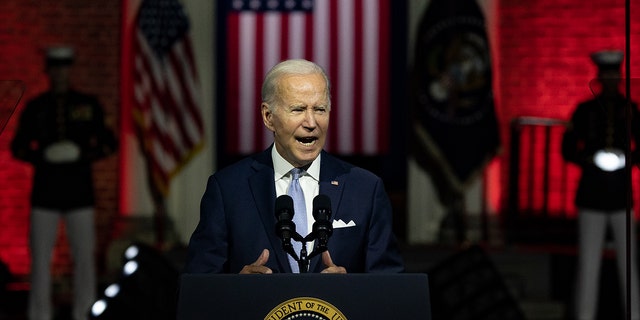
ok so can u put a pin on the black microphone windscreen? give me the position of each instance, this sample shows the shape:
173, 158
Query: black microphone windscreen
321, 202
284, 203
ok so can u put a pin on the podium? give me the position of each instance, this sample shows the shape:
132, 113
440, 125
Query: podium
304, 296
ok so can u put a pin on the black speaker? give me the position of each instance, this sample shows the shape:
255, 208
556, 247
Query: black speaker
467, 285
5, 278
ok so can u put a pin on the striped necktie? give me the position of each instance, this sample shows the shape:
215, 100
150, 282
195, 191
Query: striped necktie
300, 213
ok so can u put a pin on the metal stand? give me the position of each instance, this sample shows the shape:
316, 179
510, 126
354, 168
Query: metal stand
303, 258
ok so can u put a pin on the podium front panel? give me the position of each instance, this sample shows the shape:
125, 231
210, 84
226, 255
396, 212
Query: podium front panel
304, 296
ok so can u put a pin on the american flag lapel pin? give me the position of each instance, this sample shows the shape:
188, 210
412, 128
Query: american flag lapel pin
334, 182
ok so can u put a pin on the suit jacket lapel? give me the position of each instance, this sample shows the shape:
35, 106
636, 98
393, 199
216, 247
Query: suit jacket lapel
264, 193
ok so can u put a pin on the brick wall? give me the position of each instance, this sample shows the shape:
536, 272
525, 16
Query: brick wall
26, 27
544, 51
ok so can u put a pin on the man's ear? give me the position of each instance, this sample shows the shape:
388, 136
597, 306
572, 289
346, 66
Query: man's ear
267, 116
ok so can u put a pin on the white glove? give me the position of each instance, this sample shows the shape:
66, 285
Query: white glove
62, 152
609, 159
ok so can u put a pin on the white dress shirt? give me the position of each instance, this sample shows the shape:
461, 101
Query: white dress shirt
309, 181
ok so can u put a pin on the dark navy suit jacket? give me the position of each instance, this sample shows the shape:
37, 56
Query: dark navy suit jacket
237, 220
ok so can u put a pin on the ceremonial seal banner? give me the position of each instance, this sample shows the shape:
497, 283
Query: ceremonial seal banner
455, 128
303, 308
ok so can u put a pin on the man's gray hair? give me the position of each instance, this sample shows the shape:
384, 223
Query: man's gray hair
289, 67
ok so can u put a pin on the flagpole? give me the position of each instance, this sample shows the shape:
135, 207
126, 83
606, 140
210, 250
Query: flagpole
628, 167
160, 215
157, 197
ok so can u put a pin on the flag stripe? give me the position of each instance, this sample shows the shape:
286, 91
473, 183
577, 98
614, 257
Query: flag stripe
369, 83
264, 48
345, 50
310, 37
383, 70
274, 49
358, 78
344, 37
152, 112
321, 45
333, 66
247, 91
145, 86
295, 25
189, 84
233, 80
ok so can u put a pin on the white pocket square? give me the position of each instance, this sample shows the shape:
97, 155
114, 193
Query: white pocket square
340, 224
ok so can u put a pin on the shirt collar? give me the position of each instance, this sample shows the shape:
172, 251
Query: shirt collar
281, 167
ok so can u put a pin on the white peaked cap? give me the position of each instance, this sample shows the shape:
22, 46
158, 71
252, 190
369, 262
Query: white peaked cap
60, 53
607, 58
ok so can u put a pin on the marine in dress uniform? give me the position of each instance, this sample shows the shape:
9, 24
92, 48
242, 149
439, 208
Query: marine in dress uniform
61, 132
596, 140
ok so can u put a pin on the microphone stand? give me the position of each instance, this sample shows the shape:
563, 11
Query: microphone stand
303, 260
288, 248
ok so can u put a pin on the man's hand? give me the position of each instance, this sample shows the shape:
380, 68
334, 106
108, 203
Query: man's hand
258, 266
331, 267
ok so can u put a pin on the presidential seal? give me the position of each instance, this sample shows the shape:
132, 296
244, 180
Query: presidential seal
455, 71
305, 308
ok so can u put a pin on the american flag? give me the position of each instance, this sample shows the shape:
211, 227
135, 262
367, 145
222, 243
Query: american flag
348, 38
166, 90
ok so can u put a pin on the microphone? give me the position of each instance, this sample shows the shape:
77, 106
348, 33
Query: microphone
285, 228
322, 227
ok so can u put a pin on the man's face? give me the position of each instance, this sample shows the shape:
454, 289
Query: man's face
610, 80
59, 77
300, 119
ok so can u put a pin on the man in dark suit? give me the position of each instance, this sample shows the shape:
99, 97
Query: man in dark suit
237, 228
